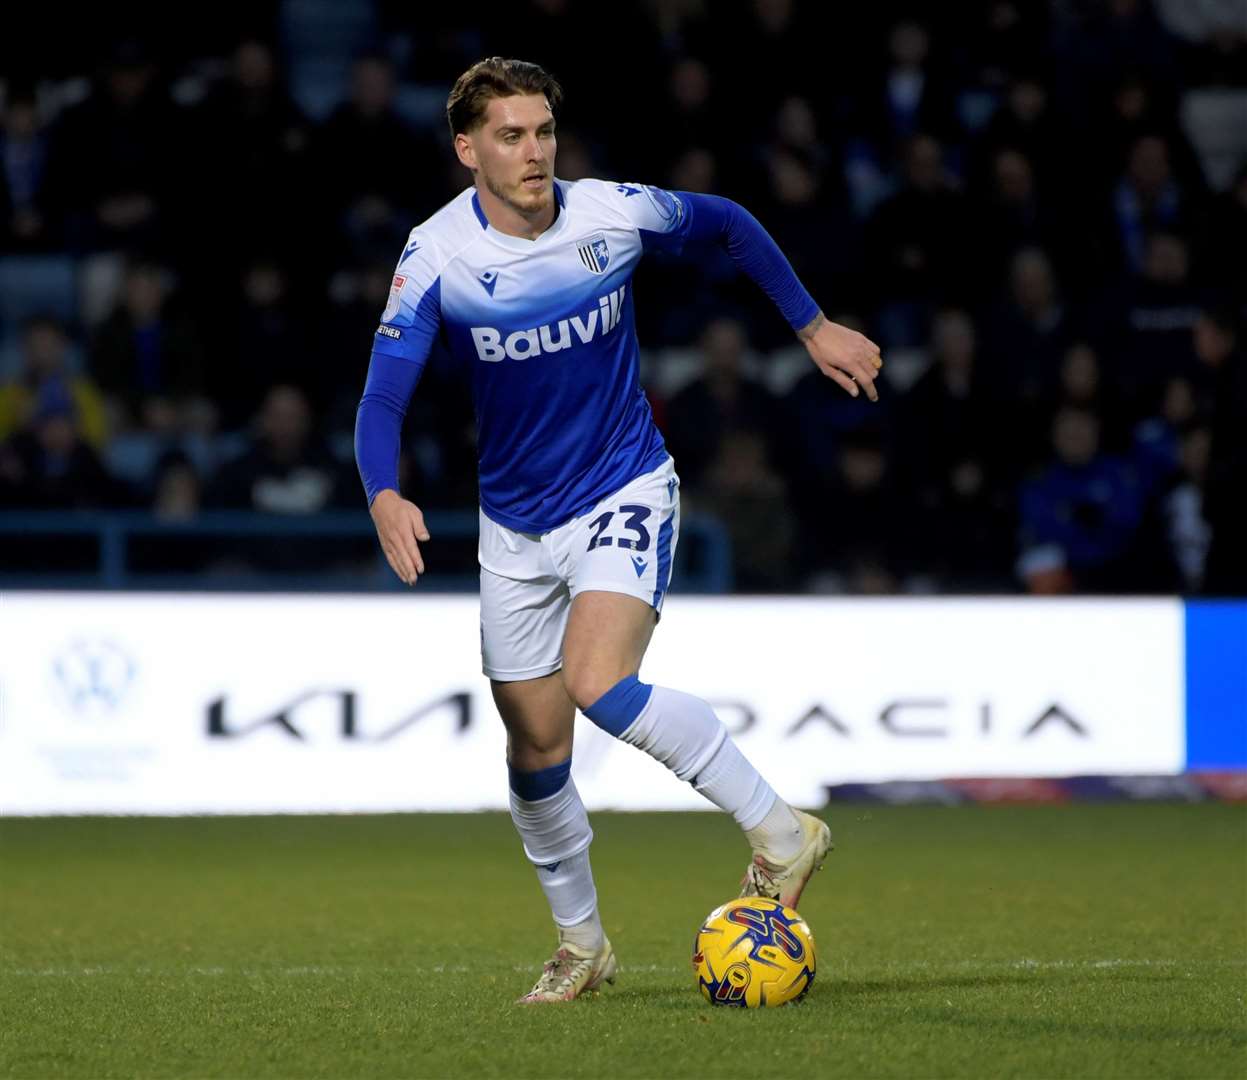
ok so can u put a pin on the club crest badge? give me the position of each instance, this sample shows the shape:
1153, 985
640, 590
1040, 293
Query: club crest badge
594, 253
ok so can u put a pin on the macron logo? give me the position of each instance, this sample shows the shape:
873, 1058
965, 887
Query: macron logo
520, 345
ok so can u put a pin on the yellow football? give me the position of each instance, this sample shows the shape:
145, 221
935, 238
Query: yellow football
754, 952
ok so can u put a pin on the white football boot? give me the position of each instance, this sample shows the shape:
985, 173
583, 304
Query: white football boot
572, 971
785, 881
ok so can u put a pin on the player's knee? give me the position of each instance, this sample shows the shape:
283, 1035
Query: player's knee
586, 686
529, 749
617, 709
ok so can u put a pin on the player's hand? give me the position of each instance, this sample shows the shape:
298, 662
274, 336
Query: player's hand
400, 527
846, 356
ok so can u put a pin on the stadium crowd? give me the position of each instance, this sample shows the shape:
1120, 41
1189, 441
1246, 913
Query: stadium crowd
1038, 209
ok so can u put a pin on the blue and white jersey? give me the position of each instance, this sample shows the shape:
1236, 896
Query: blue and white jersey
547, 328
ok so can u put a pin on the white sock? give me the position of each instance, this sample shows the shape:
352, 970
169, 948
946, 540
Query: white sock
682, 732
778, 835
556, 836
587, 935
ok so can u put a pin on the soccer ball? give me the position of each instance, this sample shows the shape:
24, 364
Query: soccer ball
754, 952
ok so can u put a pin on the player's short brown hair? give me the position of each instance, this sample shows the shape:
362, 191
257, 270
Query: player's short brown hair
491, 78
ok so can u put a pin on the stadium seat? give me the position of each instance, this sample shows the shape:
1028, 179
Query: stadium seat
320, 40
37, 285
132, 456
1216, 121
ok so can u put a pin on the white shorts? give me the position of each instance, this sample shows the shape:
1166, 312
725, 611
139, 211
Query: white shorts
624, 545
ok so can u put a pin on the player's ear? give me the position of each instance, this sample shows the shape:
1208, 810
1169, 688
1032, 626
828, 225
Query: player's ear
465, 151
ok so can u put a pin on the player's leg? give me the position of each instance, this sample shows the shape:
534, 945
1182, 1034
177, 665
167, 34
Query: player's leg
607, 634
617, 559
522, 623
545, 804
554, 829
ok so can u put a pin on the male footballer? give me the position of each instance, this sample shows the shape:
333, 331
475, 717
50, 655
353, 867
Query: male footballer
528, 281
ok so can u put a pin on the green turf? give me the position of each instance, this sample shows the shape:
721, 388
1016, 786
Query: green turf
1074, 941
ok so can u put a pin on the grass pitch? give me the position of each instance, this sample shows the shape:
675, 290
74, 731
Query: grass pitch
1050, 941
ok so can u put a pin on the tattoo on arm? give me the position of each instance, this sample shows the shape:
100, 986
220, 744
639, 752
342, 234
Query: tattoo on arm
811, 328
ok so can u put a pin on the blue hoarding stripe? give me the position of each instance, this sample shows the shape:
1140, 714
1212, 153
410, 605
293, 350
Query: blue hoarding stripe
1216, 684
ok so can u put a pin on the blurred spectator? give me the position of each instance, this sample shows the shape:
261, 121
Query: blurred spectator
913, 96
742, 489
371, 164
1029, 332
690, 106
1136, 110
1219, 345
269, 344
177, 489
854, 527
915, 242
1083, 513
1029, 191
797, 129
49, 466
1156, 445
720, 401
174, 497
1024, 123
1082, 382
111, 157
696, 169
1156, 312
1188, 531
1147, 199
1011, 216
148, 354
818, 417
288, 469
955, 460
24, 219
45, 377
249, 157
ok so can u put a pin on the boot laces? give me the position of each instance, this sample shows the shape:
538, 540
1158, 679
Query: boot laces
559, 972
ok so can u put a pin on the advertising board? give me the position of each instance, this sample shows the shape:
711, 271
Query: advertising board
157, 704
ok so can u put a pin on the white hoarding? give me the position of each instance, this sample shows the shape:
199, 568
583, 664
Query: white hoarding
267, 703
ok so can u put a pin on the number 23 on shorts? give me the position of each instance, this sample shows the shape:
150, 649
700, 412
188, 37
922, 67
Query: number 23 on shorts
635, 518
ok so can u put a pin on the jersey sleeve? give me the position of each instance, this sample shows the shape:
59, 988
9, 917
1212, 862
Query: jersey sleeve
670, 220
400, 349
412, 314
659, 216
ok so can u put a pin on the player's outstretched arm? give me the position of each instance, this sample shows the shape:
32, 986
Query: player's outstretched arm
846, 356
401, 530
671, 219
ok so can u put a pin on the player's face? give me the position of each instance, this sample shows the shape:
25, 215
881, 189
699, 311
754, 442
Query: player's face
514, 152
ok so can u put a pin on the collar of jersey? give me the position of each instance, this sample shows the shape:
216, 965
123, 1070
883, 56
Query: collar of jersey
518, 243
